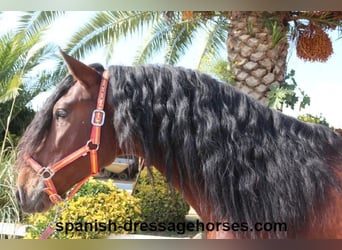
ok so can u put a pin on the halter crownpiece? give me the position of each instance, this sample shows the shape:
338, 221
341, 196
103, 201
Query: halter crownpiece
91, 147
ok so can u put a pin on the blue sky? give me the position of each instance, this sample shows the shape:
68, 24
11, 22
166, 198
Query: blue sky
321, 81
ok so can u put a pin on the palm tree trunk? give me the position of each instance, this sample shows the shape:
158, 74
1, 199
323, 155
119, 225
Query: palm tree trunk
257, 50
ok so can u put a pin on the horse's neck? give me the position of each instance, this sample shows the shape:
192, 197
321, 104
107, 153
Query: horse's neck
193, 199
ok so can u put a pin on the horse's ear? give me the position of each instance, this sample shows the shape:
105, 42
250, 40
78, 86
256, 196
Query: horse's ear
85, 74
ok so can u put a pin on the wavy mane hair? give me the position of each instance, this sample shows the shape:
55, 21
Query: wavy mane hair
255, 164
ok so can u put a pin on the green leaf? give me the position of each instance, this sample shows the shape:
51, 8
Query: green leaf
305, 102
217, 32
165, 32
286, 94
12, 89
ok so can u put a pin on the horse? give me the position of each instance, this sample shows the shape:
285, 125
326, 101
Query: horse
237, 162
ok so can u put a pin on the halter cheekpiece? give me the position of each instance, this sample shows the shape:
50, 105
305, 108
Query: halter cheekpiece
91, 147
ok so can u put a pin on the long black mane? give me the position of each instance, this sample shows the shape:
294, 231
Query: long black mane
254, 163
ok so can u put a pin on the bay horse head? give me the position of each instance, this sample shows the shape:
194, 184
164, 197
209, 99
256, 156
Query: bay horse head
62, 127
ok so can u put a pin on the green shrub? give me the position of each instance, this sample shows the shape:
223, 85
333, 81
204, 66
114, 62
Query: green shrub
314, 119
9, 209
159, 202
96, 202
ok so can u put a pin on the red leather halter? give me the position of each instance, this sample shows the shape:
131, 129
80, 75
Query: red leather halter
91, 147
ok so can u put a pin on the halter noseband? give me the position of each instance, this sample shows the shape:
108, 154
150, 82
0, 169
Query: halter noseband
91, 147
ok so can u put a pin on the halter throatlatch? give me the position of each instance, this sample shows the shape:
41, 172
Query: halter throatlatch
91, 147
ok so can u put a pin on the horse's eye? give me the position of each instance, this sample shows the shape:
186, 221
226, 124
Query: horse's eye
61, 113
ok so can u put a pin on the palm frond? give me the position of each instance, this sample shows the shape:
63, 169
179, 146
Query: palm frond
156, 40
215, 40
36, 22
179, 39
21, 51
176, 34
40, 54
106, 28
12, 88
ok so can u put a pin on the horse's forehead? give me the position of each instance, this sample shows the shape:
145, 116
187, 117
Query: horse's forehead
76, 93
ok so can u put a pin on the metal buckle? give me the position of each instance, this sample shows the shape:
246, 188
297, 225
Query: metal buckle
46, 173
93, 118
90, 144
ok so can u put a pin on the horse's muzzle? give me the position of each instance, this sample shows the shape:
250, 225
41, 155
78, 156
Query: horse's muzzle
37, 203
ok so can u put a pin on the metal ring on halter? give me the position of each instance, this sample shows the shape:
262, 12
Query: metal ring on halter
90, 142
93, 118
46, 173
